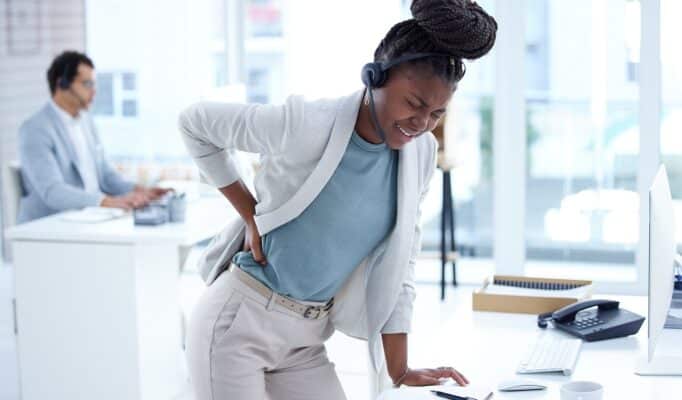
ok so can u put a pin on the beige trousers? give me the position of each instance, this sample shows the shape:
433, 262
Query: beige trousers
241, 346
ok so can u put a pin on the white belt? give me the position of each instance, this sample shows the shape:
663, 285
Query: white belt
305, 310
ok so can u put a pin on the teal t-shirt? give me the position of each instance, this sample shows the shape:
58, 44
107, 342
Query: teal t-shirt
311, 256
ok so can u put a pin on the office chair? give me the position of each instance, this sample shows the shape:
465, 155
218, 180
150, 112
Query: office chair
12, 191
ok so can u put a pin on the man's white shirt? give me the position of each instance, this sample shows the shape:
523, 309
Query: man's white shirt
77, 132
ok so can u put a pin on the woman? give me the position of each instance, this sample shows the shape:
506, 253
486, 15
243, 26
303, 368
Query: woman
331, 241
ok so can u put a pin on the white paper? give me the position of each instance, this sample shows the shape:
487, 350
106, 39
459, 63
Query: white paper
418, 393
92, 215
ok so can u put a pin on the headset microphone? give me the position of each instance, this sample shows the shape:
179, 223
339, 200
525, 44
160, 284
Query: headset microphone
83, 103
373, 113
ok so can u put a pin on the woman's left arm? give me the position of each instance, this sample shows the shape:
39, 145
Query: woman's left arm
395, 349
393, 337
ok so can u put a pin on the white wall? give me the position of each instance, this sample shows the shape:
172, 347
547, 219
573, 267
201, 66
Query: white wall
59, 25
328, 42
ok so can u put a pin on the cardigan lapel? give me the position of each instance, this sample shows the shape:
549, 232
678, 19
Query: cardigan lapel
344, 123
65, 138
390, 268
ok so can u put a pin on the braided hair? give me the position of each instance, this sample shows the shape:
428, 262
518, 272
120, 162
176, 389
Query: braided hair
460, 28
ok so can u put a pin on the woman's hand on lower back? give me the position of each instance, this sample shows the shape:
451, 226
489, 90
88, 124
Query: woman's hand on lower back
252, 242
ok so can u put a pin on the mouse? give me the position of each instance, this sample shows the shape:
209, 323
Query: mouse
518, 385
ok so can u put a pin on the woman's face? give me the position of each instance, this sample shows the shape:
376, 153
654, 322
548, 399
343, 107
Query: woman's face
410, 103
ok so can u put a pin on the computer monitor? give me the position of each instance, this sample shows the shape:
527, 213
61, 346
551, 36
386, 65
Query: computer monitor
662, 254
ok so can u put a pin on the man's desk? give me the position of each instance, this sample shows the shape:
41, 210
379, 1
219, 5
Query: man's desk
487, 348
97, 305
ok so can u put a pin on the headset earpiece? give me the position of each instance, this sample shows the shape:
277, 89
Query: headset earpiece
63, 83
373, 75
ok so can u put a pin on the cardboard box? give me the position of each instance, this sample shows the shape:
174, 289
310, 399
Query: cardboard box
525, 301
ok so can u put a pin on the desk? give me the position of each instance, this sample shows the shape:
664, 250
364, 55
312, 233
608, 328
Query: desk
487, 348
97, 304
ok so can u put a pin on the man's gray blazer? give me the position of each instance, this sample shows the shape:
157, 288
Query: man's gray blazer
51, 171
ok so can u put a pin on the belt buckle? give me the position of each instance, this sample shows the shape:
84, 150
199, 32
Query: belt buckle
308, 312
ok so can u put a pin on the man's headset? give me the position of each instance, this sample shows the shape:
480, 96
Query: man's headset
375, 74
64, 82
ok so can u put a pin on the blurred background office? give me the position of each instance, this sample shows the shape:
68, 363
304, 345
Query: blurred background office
552, 138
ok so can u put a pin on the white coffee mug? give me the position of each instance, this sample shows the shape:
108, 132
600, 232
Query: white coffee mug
582, 390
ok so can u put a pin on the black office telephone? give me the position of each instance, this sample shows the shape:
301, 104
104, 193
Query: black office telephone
606, 321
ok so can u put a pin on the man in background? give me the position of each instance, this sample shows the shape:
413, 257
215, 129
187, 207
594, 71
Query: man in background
63, 164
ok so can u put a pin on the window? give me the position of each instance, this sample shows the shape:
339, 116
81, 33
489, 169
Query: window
104, 99
582, 131
265, 46
468, 148
671, 116
264, 18
116, 95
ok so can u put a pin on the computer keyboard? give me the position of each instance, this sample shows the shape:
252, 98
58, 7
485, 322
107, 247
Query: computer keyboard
551, 352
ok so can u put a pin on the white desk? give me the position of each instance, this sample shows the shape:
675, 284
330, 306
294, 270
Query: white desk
487, 348
97, 305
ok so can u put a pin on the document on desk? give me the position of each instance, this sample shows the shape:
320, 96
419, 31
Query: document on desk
91, 215
478, 392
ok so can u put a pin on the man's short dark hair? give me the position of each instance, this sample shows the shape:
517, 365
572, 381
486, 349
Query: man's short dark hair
65, 66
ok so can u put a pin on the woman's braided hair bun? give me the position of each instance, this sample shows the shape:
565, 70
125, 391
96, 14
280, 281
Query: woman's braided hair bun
458, 27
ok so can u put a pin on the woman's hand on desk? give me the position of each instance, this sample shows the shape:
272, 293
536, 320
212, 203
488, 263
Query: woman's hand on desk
432, 376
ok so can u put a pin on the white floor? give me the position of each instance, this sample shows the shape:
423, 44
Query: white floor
349, 355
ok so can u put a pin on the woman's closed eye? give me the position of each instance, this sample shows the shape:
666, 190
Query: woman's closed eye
412, 105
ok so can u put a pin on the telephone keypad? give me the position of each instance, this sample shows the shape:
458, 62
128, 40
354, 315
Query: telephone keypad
585, 323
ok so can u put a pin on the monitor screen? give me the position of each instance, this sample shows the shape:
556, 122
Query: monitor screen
662, 252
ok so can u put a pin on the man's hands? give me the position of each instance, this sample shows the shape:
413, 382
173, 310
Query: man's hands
139, 197
151, 193
126, 202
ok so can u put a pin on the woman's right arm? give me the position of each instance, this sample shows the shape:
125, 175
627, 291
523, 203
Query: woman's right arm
209, 130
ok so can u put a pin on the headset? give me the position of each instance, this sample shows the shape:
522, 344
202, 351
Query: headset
375, 74
64, 83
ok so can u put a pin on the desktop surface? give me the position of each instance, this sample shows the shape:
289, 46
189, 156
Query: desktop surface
487, 348
202, 221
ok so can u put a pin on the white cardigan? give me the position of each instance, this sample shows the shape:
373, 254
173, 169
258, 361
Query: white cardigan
301, 144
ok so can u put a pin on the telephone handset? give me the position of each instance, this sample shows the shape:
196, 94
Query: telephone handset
606, 321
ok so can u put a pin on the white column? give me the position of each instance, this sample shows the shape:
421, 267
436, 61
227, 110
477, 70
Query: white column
234, 41
509, 141
649, 126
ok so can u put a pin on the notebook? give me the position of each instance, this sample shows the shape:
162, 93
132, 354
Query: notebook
528, 295
536, 288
